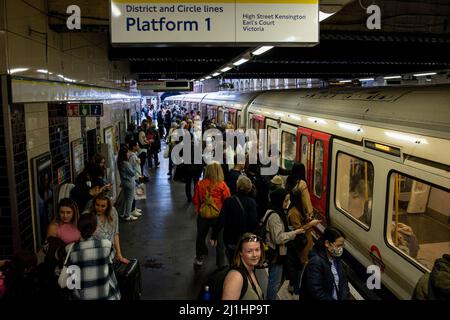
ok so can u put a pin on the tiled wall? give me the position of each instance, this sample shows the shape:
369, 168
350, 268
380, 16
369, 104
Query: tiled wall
6, 245
58, 132
21, 176
81, 56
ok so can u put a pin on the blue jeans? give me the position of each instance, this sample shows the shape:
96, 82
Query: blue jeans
274, 282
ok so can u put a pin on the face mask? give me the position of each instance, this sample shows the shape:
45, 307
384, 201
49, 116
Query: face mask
337, 252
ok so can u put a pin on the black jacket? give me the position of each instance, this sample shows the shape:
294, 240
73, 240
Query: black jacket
234, 221
318, 283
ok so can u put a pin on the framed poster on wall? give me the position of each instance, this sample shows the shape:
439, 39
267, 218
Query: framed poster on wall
77, 157
43, 191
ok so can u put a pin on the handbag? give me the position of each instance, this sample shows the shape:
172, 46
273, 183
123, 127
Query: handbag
166, 153
63, 276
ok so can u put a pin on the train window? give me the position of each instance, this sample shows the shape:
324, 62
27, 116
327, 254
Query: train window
304, 145
318, 168
420, 212
354, 187
288, 149
238, 121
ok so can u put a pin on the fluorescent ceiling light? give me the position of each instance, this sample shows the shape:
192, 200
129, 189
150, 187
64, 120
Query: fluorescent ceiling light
16, 70
215, 74
367, 79
225, 69
424, 74
349, 127
294, 117
261, 50
202, 79
345, 81
240, 61
405, 137
392, 77
315, 120
42, 71
323, 15
280, 114
208, 77
115, 10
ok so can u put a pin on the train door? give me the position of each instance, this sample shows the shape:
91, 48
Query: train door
304, 137
238, 120
313, 152
232, 118
319, 170
270, 126
256, 123
220, 115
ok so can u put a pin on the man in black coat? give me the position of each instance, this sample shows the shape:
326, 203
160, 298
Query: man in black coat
238, 216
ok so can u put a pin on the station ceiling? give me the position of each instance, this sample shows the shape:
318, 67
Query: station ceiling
414, 36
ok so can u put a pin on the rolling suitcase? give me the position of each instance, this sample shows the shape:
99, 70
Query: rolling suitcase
129, 279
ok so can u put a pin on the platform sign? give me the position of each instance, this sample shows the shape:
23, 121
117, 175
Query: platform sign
289, 22
84, 110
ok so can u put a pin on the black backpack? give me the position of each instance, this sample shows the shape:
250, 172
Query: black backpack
215, 283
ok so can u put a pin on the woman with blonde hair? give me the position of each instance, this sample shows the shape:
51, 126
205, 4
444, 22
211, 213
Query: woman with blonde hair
209, 195
248, 255
107, 224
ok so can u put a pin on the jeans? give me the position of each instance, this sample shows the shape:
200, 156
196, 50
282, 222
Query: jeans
274, 282
128, 197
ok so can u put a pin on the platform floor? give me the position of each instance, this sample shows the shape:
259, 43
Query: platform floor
163, 239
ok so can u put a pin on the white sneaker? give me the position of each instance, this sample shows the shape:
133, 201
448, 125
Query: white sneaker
136, 213
138, 210
130, 218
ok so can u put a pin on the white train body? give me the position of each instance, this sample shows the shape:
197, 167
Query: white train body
358, 146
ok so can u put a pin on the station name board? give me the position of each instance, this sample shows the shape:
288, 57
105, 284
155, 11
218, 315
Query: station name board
84, 109
281, 22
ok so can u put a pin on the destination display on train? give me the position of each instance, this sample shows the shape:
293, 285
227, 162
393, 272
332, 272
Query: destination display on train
217, 21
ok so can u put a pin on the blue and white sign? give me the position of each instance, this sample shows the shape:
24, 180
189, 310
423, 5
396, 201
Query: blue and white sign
217, 21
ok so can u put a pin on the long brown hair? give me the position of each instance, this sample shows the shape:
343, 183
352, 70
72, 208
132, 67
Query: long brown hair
108, 215
67, 202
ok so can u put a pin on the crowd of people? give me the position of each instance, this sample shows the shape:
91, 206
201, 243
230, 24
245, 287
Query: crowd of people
256, 221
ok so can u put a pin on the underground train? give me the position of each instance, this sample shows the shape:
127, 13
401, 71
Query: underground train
378, 168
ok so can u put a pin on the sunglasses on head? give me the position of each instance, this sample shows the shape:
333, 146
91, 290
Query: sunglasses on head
252, 238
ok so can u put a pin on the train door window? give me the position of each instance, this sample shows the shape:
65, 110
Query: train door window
318, 168
304, 145
420, 226
354, 187
269, 138
288, 149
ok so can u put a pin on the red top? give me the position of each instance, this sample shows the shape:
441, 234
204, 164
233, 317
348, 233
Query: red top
219, 193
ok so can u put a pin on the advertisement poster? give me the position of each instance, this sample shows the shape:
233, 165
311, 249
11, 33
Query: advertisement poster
77, 157
43, 191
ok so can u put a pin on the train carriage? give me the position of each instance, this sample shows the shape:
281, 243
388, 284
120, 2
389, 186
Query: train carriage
378, 168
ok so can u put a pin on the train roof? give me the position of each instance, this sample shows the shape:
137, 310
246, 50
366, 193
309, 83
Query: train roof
419, 109
230, 99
